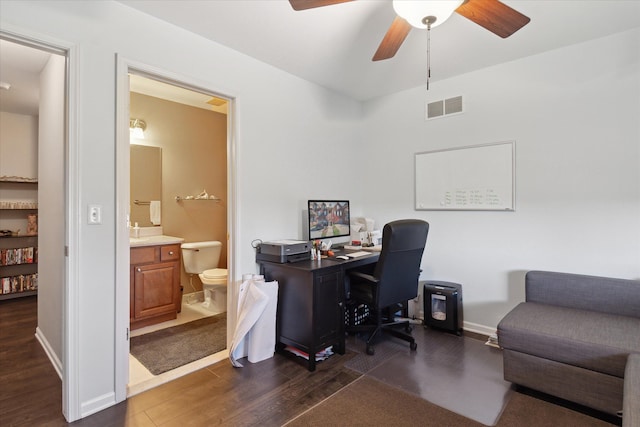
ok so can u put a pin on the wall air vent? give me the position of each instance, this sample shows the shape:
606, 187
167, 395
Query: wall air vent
444, 108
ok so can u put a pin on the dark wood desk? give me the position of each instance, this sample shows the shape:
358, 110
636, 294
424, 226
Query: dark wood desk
311, 302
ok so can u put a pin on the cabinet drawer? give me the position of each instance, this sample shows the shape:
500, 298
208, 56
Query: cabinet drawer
170, 253
143, 255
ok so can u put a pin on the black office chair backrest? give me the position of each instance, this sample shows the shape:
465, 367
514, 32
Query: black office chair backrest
398, 267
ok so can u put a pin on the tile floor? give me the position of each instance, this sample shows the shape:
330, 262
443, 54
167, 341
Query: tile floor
140, 379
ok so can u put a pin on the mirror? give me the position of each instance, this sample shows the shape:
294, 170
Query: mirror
146, 182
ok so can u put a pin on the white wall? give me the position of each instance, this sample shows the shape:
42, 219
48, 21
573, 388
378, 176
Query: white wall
574, 116
577, 191
51, 213
293, 142
19, 148
18, 157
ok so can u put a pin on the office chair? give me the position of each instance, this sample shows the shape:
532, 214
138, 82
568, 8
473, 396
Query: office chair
393, 281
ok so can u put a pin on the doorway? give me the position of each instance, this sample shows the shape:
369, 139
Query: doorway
34, 161
191, 128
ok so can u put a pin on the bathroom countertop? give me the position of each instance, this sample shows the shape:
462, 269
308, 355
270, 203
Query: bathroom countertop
154, 240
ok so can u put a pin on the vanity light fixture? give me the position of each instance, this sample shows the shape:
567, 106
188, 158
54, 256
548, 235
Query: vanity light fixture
137, 128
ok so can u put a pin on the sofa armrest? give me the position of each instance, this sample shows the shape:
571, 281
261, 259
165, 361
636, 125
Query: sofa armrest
631, 396
601, 294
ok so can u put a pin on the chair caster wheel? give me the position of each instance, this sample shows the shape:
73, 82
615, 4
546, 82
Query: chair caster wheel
413, 346
370, 350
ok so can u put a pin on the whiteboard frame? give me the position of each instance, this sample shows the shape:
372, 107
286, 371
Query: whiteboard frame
511, 208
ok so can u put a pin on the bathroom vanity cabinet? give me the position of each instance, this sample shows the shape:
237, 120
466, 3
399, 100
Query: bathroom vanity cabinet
155, 284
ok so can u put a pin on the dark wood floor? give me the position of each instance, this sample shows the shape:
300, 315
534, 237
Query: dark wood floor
30, 389
269, 393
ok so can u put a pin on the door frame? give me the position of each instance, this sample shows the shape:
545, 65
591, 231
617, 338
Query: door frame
124, 66
70, 375
69, 371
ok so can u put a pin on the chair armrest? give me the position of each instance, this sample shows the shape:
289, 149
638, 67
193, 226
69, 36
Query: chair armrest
363, 277
363, 287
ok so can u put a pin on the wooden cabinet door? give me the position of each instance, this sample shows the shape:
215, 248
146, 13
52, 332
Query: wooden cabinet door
154, 289
328, 313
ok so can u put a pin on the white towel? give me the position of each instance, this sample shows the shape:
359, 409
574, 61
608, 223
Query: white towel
154, 212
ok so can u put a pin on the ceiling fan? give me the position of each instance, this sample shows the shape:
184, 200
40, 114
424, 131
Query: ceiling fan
493, 15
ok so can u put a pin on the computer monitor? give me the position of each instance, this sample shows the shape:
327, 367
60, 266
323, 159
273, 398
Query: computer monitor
328, 219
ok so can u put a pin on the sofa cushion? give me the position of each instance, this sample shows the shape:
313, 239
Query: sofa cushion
597, 341
593, 293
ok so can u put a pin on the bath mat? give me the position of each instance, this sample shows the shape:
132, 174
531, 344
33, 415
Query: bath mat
173, 347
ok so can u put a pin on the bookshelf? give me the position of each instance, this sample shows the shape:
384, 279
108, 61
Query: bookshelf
18, 250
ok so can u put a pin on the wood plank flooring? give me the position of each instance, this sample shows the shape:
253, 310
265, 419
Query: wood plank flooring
30, 389
269, 393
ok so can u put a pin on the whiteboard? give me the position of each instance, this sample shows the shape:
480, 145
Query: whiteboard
480, 177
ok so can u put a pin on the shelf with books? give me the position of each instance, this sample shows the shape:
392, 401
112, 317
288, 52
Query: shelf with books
18, 285
18, 250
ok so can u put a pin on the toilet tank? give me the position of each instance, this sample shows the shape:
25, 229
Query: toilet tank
200, 256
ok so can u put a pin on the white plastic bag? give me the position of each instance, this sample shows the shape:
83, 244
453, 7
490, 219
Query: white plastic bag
255, 332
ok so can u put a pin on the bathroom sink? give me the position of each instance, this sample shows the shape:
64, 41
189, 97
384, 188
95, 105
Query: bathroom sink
133, 240
154, 240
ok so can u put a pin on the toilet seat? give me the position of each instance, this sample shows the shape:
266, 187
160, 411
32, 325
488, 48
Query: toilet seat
214, 276
215, 273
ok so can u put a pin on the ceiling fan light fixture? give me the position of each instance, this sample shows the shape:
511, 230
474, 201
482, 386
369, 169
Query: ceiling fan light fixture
415, 12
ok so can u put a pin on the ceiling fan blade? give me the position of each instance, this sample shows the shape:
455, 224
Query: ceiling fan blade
392, 41
493, 15
310, 4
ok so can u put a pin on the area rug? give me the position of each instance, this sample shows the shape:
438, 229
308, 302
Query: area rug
369, 402
170, 348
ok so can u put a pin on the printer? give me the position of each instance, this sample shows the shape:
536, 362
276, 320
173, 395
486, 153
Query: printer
283, 251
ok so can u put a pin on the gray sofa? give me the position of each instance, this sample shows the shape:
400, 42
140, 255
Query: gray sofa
631, 404
571, 338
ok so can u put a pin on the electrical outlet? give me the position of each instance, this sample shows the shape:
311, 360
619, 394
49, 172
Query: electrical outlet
94, 215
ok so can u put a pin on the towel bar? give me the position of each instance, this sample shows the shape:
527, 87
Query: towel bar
214, 199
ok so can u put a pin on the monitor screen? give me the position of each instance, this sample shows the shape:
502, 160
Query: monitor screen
328, 218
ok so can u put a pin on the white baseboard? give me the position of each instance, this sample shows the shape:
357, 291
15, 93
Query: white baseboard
57, 365
98, 404
416, 312
479, 329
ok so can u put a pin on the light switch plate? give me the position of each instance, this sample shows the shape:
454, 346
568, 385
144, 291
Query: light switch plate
94, 216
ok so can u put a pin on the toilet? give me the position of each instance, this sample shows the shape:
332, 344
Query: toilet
202, 258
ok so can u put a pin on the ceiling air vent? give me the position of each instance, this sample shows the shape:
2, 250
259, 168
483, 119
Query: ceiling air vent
444, 107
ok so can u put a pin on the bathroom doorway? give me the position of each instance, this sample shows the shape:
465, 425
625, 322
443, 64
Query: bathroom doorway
188, 129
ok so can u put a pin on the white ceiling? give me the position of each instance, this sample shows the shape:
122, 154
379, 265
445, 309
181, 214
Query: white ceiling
333, 45
20, 66
158, 89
